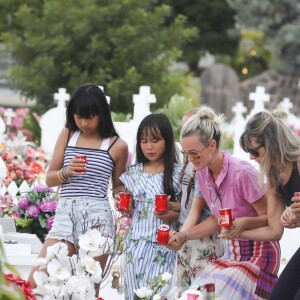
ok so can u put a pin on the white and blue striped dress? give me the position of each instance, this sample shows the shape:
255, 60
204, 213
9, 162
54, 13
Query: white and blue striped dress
145, 259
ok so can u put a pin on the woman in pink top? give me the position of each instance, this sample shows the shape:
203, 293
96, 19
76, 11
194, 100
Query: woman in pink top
248, 269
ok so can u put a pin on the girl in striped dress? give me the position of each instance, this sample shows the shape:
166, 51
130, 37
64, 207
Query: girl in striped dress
248, 269
155, 172
84, 186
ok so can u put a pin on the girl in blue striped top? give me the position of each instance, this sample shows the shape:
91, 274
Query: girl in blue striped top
84, 186
155, 172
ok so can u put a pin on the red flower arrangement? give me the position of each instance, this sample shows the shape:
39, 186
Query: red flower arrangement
16, 282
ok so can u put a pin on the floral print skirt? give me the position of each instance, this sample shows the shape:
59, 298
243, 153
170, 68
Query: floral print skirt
192, 259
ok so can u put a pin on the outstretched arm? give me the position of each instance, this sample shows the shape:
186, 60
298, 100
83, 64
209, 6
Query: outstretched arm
274, 230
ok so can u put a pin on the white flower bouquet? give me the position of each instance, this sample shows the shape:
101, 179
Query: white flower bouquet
72, 277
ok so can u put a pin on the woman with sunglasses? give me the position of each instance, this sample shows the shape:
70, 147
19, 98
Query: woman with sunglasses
248, 269
276, 148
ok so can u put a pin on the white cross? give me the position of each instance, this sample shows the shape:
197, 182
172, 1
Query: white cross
61, 97
107, 97
286, 105
259, 98
239, 108
9, 114
142, 103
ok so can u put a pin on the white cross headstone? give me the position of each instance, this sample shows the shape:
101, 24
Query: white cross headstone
239, 109
286, 105
107, 97
259, 98
49, 133
292, 120
238, 124
9, 114
127, 130
61, 97
142, 103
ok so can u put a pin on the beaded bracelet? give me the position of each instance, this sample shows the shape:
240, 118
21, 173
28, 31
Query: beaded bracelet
63, 174
59, 178
62, 177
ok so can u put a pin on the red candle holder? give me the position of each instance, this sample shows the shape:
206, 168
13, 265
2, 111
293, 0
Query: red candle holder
226, 217
192, 296
83, 157
161, 202
163, 234
124, 201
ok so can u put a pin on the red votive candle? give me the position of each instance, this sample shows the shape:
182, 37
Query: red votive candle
124, 201
163, 234
161, 202
225, 217
191, 296
83, 157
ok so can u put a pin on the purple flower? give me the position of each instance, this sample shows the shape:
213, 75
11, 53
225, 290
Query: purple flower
50, 222
48, 206
23, 203
32, 211
16, 214
41, 188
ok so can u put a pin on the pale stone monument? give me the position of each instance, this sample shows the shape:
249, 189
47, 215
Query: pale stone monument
259, 97
238, 124
141, 101
220, 88
53, 121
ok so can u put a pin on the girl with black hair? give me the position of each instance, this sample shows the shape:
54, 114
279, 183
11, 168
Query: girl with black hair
155, 172
84, 186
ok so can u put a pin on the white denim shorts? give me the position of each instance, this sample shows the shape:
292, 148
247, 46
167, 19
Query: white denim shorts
74, 216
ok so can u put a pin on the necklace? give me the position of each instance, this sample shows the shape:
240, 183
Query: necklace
212, 202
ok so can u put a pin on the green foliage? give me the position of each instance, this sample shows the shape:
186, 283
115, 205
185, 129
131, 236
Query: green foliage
280, 22
120, 45
175, 110
120, 117
215, 21
32, 125
252, 57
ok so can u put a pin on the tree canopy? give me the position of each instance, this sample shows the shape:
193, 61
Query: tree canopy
117, 44
216, 24
280, 21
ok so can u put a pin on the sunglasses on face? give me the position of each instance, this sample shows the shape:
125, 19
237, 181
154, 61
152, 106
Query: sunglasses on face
253, 151
194, 154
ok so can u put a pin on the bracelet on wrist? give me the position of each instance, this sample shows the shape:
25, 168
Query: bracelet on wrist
59, 177
64, 174
62, 177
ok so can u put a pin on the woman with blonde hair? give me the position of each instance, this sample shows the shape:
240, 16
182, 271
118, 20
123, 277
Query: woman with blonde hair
248, 269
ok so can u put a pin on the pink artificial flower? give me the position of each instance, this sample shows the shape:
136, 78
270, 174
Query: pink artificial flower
23, 203
48, 206
41, 188
32, 211
49, 223
16, 214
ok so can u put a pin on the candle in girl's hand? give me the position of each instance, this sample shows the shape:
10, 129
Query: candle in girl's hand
124, 201
161, 202
163, 234
83, 157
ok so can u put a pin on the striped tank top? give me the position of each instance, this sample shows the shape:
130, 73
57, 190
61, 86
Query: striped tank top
94, 182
